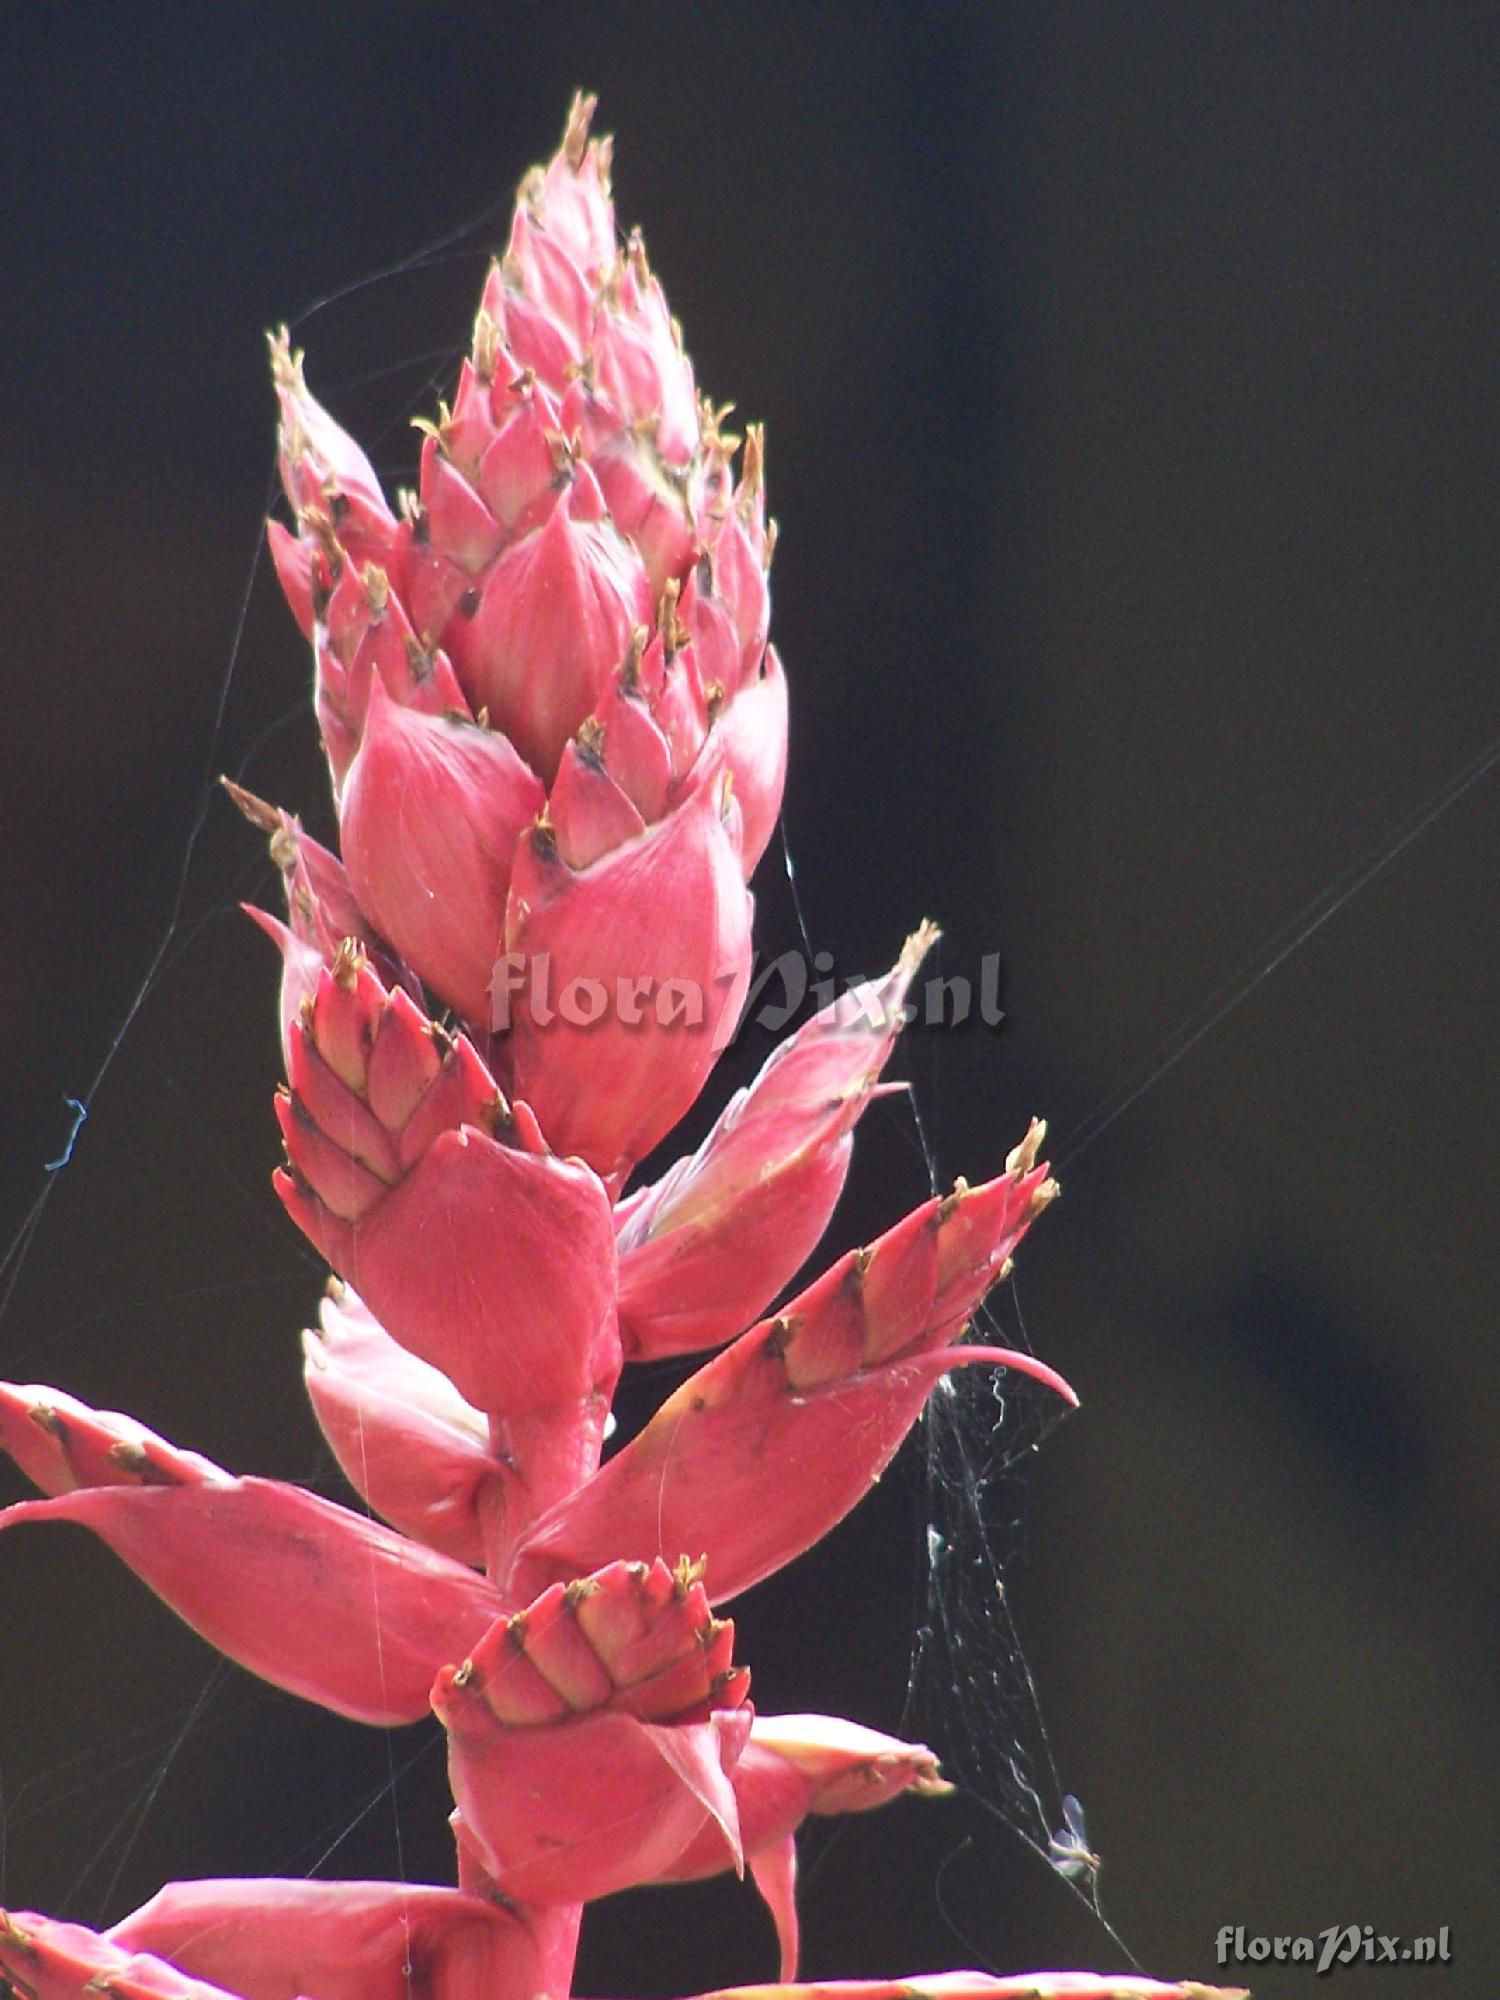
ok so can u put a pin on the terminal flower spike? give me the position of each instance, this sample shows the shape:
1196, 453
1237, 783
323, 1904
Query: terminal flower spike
556, 739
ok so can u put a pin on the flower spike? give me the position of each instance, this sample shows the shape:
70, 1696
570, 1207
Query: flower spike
41, 1959
313, 1598
816, 1401
707, 1247
557, 739
982, 1986
398, 1135
592, 1734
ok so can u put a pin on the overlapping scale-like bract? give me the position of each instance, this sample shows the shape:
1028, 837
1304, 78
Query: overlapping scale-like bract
580, 578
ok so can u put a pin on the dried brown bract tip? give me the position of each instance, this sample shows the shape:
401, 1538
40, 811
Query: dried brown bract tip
686, 1572
257, 810
576, 132
1022, 1158
348, 963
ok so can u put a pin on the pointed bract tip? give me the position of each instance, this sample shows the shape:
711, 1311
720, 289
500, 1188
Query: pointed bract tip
284, 940
576, 133
259, 813
1021, 1159
687, 1572
485, 350
950, 1203
348, 962
675, 635
286, 363
917, 946
1044, 1196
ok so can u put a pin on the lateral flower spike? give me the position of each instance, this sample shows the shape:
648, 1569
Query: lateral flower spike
981, 1986
397, 1136
462, 1956
591, 1736
706, 1247
341, 1940
309, 1595
771, 1443
41, 1959
271, 1940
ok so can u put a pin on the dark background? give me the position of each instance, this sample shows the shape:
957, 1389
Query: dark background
1129, 376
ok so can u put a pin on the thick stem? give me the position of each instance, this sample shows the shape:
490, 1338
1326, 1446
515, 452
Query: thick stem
553, 1926
556, 1933
550, 1454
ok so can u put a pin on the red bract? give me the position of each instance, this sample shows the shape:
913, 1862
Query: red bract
553, 621
404, 1437
433, 807
652, 942
557, 740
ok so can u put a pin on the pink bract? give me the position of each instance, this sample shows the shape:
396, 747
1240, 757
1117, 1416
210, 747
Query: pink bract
556, 739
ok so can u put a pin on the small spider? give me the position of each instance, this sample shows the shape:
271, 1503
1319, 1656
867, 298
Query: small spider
1068, 1849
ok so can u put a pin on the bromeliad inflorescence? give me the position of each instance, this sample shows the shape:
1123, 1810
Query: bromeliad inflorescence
557, 741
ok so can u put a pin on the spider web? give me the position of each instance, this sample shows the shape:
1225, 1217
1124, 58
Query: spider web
971, 1690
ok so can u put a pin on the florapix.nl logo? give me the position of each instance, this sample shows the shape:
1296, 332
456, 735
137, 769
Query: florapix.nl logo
781, 991
1329, 1949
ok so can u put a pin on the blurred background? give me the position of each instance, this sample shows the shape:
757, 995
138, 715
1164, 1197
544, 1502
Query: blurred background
1130, 386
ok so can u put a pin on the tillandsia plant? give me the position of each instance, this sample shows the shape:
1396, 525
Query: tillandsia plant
557, 740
